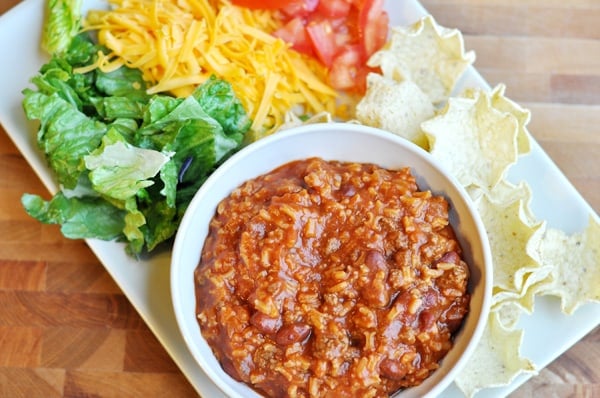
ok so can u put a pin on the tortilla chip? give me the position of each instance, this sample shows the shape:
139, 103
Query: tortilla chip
509, 313
505, 193
524, 299
509, 232
504, 104
496, 360
427, 54
398, 107
575, 261
476, 142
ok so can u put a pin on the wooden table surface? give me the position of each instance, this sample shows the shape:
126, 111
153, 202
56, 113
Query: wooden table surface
66, 329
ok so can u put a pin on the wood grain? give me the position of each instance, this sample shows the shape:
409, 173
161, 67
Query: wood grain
66, 329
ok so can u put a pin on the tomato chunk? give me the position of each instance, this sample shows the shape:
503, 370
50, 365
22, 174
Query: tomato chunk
323, 40
349, 70
298, 8
295, 33
373, 25
334, 8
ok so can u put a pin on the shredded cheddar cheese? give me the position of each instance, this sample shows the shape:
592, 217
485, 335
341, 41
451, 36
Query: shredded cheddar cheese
178, 44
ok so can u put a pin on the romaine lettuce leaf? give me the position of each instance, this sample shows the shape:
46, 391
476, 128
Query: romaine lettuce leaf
119, 170
65, 134
162, 221
134, 221
80, 217
61, 24
217, 99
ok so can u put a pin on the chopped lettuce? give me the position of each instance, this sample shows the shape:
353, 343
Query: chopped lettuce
61, 24
217, 99
128, 163
80, 217
119, 170
65, 134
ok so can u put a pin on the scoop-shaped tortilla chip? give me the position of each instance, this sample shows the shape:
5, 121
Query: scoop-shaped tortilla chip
509, 232
575, 261
500, 102
427, 54
398, 107
509, 314
496, 360
505, 193
505, 301
476, 142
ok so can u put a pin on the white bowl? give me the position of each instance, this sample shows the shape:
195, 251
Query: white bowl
343, 142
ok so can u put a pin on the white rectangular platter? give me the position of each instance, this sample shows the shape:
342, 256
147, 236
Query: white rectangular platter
145, 282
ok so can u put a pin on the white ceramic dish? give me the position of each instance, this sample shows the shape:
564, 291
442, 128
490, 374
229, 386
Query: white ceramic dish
548, 332
342, 142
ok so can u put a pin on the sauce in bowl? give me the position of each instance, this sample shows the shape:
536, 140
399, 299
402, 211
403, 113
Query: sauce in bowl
325, 278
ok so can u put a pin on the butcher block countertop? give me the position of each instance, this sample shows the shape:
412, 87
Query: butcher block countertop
67, 330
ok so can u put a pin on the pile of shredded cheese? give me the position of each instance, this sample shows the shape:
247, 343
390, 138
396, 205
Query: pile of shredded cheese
178, 44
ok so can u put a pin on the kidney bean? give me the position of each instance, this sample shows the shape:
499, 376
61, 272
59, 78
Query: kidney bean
348, 190
449, 257
392, 369
265, 323
427, 318
375, 261
377, 296
292, 333
453, 316
230, 369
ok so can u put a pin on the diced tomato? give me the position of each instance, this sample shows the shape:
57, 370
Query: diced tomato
381, 31
323, 39
345, 67
295, 33
351, 54
263, 4
342, 76
373, 22
298, 8
343, 38
334, 8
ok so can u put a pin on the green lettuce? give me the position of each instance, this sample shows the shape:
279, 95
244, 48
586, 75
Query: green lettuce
121, 155
119, 170
79, 217
65, 134
61, 24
